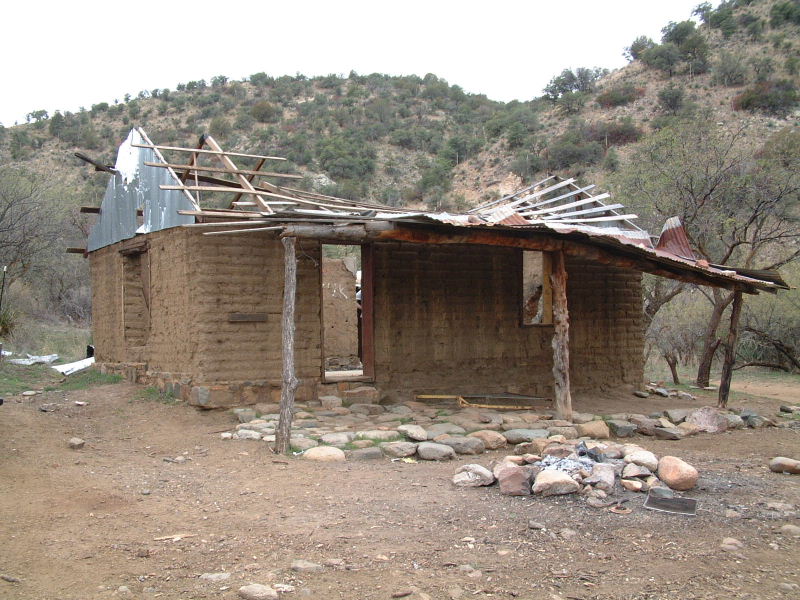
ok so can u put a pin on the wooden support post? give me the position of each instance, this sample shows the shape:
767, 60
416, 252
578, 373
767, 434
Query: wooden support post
730, 351
290, 382
558, 280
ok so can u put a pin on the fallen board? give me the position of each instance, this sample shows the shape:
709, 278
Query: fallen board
679, 506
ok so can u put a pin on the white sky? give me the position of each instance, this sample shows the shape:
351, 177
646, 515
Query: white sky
63, 55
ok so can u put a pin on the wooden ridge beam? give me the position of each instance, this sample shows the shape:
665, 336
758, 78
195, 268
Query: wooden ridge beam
229, 164
205, 151
224, 170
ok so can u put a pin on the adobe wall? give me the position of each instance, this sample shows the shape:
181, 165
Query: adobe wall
463, 332
107, 325
339, 309
606, 327
447, 320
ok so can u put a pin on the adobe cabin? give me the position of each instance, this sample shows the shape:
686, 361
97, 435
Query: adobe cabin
537, 293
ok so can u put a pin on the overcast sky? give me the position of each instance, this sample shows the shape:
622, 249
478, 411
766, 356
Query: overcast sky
64, 55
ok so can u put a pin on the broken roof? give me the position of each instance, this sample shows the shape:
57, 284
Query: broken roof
168, 194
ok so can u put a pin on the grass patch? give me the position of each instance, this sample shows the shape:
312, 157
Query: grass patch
85, 379
153, 394
15, 379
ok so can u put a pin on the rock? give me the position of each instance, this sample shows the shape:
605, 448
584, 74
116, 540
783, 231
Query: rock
364, 394
602, 477
554, 483
581, 418
708, 419
734, 421
660, 391
644, 425
757, 422
514, 481
366, 409
677, 415
373, 453
690, 428
535, 525
76, 443
676, 473
790, 530
305, 566
302, 443
257, 591
594, 429
492, 440
226, 435
558, 450
362, 443
534, 447
325, 454
215, 577
632, 485
662, 492
438, 429
786, 408
632, 470
782, 464
569, 433
338, 438
730, 544
473, 475
669, 433
247, 434
643, 458
641, 394
329, 402
378, 435
621, 428
517, 436
465, 445
413, 432
29, 393
434, 451
399, 449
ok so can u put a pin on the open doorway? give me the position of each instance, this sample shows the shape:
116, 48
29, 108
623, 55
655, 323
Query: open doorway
346, 312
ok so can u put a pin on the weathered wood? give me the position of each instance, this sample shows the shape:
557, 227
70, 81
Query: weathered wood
91, 210
237, 317
229, 164
249, 230
204, 151
367, 341
159, 156
208, 169
72, 250
558, 280
730, 351
290, 382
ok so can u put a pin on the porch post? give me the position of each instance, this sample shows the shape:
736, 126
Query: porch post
290, 382
558, 280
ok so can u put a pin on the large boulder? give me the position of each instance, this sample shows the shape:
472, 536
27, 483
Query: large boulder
782, 464
257, 591
324, 454
517, 436
492, 440
644, 458
464, 444
473, 475
379, 435
676, 473
669, 433
413, 432
438, 429
567, 432
434, 451
677, 415
399, 449
602, 477
708, 419
339, 438
621, 428
515, 480
594, 429
554, 483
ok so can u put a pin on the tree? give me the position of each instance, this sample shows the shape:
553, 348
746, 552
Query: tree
665, 57
670, 99
637, 47
737, 208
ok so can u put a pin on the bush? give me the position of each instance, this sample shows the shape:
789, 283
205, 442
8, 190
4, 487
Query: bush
220, 127
637, 47
671, 99
772, 97
785, 12
665, 57
729, 71
572, 103
265, 112
613, 133
619, 95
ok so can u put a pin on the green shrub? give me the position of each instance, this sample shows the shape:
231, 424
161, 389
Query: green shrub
729, 70
772, 97
670, 99
613, 133
265, 112
619, 95
785, 12
638, 46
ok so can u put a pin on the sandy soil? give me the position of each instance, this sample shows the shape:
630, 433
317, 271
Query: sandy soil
80, 524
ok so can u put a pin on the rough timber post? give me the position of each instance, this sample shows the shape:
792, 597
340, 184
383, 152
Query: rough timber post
730, 351
558, 280
290, 382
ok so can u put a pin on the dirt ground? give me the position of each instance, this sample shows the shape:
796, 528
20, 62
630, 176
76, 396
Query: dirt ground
78, 524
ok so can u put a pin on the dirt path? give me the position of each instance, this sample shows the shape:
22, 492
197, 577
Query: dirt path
80, 524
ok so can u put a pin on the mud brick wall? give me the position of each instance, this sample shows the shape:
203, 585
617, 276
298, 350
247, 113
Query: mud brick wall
107, 315
136, 313
244, 273
606, 327
447, 320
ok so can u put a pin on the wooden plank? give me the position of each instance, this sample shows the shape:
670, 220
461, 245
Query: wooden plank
204, 151
224, 170
250, 178
219, 213
600, 219
238, 317
587, 211
563, 196
91, 210
228, 223
230, 231
558, 281
72, 250
541, 193
491, 203
160, 157
290, 383
226, 160
575, 204
368, 310
257, 193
